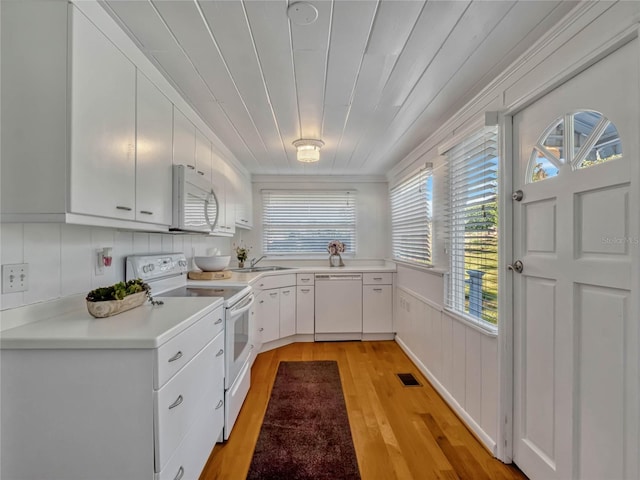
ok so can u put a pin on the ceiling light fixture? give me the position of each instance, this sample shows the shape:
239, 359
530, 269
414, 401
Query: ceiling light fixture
308, 150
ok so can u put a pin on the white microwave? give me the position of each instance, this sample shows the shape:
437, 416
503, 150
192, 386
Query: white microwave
195, 206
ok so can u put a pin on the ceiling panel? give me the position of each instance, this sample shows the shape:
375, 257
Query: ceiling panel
371, 78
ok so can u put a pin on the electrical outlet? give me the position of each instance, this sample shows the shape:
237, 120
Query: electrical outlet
99, 259
15, 278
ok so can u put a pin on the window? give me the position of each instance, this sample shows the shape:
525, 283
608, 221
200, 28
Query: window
303, 222
411, 217
472, 221
590, 139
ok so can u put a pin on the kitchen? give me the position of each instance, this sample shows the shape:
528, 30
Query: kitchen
62, 225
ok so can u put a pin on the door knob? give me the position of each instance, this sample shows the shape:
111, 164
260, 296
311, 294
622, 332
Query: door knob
516, 266
518, 195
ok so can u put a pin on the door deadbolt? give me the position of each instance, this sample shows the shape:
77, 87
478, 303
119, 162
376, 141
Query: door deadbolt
518, 195
516, 266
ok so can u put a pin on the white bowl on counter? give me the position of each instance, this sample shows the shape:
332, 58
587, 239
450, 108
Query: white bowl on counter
213, 263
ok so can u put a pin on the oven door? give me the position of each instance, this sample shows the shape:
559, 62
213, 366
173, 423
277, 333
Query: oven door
237, 338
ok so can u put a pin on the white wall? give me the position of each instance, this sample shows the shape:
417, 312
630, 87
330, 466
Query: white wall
62, 258
373, 227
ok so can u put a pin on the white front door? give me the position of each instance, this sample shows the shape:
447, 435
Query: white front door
576, 313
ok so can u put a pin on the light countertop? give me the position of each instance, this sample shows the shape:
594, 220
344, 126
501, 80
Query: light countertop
238, 278
146, 326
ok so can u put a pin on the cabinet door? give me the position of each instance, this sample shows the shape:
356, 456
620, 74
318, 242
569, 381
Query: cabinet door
377, 309
229, 200
305, 304
268, 310
203, 156
287, 311
103, 103
153, 154
184, 140
244, 201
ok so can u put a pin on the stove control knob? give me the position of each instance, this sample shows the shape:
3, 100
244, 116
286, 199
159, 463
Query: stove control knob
145, 269
151, 267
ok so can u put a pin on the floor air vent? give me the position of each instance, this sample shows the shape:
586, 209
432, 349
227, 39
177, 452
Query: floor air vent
408, 380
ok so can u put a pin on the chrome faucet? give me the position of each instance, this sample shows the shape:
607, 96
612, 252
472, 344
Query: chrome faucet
254, 262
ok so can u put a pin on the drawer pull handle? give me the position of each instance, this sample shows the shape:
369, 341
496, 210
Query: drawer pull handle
377, 289
146, 212
286, 292
191, 167
220, 352
176, 357
121, 207
261, 301
261, 329
305, 290
177, 402
220, 403
180, 473
218, 321
305, 279
377, 278
274, 294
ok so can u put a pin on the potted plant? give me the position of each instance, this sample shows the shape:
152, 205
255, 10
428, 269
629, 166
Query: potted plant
335, 248
242, 253
120, 297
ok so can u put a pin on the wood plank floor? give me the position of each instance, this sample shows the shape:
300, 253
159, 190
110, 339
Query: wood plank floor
398, 432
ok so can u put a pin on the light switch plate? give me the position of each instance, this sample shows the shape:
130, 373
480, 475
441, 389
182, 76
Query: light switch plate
15, 278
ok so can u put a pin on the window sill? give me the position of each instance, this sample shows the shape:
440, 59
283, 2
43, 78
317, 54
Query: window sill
486, 330
417, 266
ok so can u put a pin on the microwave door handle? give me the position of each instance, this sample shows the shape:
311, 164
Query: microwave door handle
206, 210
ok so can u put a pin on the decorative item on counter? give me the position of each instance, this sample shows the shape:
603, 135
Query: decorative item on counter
242, 253
120, 297
335, 248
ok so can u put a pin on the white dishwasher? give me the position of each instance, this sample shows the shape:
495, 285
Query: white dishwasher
338, 306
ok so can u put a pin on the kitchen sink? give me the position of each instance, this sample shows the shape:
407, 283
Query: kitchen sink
259, 269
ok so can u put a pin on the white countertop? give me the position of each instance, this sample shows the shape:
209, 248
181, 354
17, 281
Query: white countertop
238, 278
146, 326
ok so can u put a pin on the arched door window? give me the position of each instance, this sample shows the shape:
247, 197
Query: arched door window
576, 140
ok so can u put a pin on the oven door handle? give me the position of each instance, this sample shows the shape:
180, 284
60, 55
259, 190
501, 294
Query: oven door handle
235, 311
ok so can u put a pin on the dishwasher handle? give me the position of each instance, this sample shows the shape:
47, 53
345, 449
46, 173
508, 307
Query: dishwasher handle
338, 276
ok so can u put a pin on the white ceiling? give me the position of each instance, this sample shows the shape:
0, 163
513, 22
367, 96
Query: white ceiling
370, 78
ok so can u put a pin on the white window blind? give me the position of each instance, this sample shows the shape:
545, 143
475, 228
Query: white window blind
472, 221
411, 217
305, 221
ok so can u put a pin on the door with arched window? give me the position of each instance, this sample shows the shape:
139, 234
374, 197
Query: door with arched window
576, 233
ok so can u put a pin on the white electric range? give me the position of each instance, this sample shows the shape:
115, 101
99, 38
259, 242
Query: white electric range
166, 274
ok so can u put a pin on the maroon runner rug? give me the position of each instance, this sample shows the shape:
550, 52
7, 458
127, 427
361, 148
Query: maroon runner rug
305, 433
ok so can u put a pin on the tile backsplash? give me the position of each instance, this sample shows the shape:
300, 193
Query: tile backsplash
62, 258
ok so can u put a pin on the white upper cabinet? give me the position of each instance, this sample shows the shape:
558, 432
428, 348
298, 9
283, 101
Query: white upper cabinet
153, 154
243, 196
184, 140
103, 129
203, 155
224, 192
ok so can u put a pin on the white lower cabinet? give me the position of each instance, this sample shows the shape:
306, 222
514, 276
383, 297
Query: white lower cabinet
114, 413
377, 308
268, 310
287, 311
305, 308
377, 305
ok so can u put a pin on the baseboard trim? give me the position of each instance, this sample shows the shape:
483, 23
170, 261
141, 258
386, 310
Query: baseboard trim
488, 442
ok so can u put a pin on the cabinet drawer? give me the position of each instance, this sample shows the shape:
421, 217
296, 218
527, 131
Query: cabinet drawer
305, 278
177, 352
193, 452
186, 398
377, 278
276, 281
